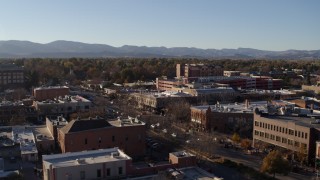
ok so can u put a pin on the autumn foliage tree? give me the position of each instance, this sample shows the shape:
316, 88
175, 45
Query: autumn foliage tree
274, 163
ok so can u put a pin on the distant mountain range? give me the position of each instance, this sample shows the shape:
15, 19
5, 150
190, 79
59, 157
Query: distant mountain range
67, 49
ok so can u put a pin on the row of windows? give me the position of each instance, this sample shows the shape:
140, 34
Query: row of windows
280, 139
107, 172
113, 138
281, 129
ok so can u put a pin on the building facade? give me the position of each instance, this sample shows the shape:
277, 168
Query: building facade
292, 133
11, 76
49, 93
97, 133
226, 118
97, 164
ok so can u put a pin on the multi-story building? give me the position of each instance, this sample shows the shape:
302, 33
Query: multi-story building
97, 133
198, 70
49, 93
10, 111
226, 118
293, 132
63, 105
11, 76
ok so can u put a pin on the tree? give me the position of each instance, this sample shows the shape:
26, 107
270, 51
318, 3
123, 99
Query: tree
274, 163
302, 154
245, 143
236, 138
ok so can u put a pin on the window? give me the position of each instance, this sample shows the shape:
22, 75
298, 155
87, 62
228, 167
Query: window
284, 140
82, 175
120, 170
278, 138
291, 132
302, 135
268, 126
290, 142
98, 173
256, 132
286, 130
266, 135
99, 139
108, 172
296, 144
256, 123
295, 133
298, 133
113, 139
306, 135
85, 141
280, 129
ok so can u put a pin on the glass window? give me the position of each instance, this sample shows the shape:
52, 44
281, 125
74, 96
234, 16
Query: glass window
120, 170
82, 175
98, 173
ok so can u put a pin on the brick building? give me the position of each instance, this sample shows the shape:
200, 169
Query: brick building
97, 133
49, 93
11, 76
226, 118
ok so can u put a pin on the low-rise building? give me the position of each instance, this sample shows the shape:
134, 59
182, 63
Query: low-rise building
97, 133
49, 93
113, 163
63, 105
231, 73
44, 140
226, 118
97, 164
24, 136
8, 147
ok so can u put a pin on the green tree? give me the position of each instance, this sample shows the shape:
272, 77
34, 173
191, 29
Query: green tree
274, 163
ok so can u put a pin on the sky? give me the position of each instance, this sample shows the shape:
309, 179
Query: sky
208, 24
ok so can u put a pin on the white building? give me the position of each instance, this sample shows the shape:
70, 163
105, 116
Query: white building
95, 164
26, 139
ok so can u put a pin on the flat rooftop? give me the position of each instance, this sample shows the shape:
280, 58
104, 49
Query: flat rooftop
182, 154
306, 121
25, 137
6, 137
165, 94
57, 120
84, 157
51, 87
130, 121
42, 133
65, 99
235, 107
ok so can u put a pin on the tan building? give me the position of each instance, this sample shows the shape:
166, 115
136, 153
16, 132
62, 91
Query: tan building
289, 132
231, 73
97, 133
63, 105
198, 70
49, 93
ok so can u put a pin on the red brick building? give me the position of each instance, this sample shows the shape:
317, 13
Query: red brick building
89, 134
45, 93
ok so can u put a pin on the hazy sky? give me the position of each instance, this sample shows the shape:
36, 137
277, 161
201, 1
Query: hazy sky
268, 24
